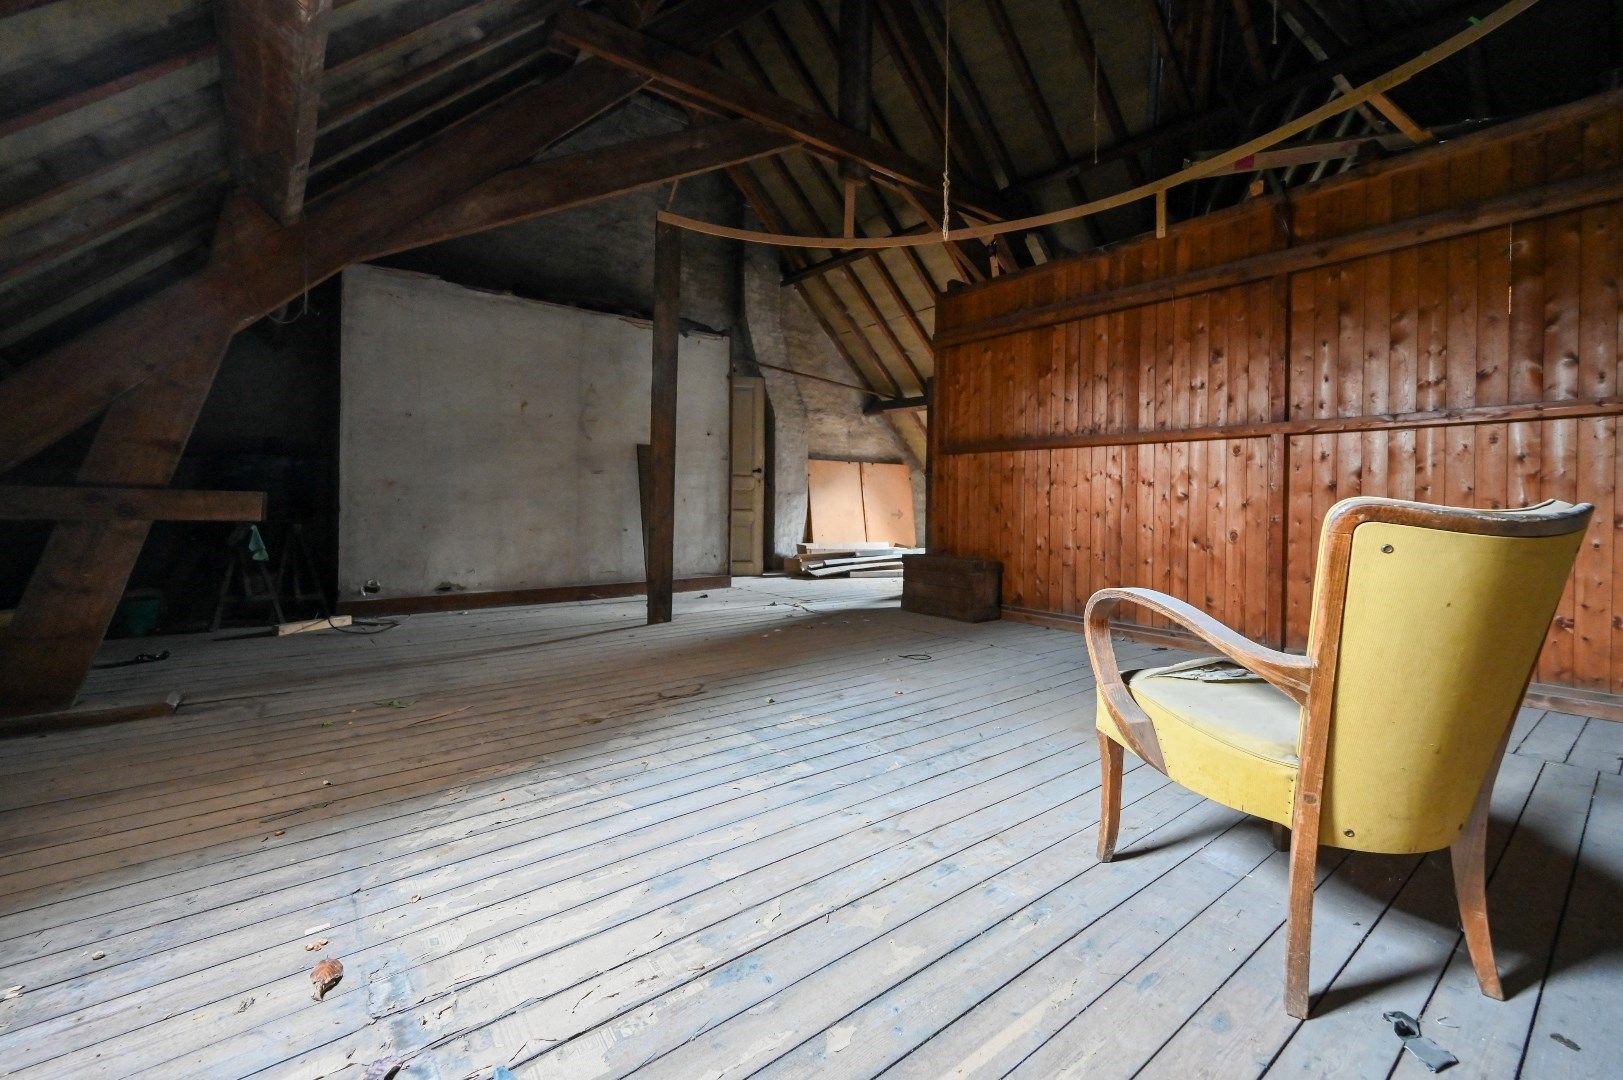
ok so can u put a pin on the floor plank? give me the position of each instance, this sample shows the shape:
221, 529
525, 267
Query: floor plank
796, 831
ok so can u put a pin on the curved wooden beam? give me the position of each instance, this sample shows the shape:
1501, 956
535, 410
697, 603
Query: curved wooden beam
1154, 189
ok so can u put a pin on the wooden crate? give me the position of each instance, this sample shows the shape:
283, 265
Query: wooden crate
969, 590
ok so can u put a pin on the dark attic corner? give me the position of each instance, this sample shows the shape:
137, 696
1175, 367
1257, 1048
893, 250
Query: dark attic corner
744, 538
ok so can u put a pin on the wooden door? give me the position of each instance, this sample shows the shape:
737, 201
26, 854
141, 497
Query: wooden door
747, 534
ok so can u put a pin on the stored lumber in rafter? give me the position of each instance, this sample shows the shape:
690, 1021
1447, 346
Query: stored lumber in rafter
1558, 197
1297, 17
271, 56
20, 502
1400, 42
670, 67
154, 362
1312, 153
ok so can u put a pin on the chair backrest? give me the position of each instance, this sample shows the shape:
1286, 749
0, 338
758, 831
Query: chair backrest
1432, 619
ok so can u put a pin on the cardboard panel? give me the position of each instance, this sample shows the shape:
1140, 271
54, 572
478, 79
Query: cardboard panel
835, 489
887, 503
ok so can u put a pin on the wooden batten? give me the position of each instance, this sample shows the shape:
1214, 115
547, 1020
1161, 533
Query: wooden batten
25, 503
553, 594
1181, 412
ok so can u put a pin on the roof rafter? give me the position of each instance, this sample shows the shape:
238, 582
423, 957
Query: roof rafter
271, 57
669, 67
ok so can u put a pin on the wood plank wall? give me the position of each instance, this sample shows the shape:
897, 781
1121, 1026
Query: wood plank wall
1091, 427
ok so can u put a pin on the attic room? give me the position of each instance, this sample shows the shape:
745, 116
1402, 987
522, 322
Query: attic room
732, 538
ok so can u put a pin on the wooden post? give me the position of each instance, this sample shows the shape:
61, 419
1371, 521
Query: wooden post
660, 524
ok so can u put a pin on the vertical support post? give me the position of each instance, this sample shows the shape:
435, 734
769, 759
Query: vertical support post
932, 462
660, 524
75, 589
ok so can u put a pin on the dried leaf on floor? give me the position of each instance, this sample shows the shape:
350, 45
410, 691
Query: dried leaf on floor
326, 975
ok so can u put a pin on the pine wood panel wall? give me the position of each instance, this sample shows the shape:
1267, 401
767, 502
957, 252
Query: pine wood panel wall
1092, 427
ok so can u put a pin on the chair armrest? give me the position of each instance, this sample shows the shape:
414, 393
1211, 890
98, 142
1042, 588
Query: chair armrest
1287, 671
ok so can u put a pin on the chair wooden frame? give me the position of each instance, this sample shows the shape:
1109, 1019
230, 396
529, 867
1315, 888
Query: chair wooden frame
1310, 680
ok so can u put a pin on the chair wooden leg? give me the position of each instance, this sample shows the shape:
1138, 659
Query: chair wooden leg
1469, 857
1299, 918
1109, 796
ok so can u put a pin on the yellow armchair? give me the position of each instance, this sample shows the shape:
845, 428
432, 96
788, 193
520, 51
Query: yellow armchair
1387, 735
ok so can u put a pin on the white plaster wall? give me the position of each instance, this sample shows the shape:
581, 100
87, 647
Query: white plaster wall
488, 442
812, 419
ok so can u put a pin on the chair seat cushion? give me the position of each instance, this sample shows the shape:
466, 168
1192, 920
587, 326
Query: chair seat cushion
1231, 740
1246, 713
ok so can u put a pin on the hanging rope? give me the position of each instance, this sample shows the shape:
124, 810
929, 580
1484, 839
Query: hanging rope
946, 121
1096, 106
1474, 32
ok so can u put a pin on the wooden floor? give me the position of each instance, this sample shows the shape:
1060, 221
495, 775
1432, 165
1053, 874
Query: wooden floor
797, 832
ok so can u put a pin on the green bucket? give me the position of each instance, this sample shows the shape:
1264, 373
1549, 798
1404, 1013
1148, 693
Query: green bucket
137, 614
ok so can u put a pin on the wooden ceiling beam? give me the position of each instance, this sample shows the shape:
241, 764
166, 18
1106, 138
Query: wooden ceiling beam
349, 109
1253, 43
926, 67
101, 91
154, 362
270, 265
21, 502
965, 153
815, 223
856, 80
845, 258
671, 67
887, 279
271, 56
1299, 19
562, 183
1107, 103
887, 129
761, 203
1171, 64
1233, 114
1026, 76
